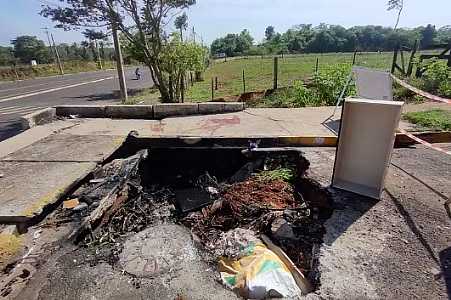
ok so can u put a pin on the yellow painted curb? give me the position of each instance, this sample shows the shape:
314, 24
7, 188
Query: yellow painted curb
309, 141
10, 245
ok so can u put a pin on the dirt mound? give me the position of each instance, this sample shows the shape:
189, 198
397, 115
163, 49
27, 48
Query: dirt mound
276, 194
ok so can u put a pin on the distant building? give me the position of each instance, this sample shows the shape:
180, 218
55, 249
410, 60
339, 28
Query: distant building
220, 55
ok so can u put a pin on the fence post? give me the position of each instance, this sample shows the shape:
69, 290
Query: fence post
395, 58
353, 57
182, 87
276, 69
244, 83
412, 56
316, 66
216, 83
212, 89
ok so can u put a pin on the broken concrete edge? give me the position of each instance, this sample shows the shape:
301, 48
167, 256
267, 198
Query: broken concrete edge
172, 141
157, 111
41, 208
40, 117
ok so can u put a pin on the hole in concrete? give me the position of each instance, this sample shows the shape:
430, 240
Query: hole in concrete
210, 192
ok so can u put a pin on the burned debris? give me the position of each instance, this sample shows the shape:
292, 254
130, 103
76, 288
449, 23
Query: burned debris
228, 199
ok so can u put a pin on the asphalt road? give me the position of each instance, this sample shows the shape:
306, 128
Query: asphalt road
23, 97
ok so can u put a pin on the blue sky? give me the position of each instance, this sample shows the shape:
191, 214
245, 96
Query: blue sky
214, 18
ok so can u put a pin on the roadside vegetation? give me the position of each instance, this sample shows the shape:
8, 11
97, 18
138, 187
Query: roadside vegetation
70, 67
93, 54
436, 119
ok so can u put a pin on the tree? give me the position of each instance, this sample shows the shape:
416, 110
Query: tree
28, 48
181, 23
428, 34
233, 44
396, 5
142, 22
177, 58
269, 33
444, 35
93, 37
6, 56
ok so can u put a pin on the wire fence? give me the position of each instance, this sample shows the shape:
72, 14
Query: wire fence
245, 74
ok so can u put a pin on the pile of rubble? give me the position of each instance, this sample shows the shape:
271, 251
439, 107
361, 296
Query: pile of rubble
261, 199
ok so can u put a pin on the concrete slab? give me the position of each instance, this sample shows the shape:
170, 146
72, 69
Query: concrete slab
34, 134
70, 148
251, 122
27, 187
396, 248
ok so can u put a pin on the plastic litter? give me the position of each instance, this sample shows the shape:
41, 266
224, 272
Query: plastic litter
257, 272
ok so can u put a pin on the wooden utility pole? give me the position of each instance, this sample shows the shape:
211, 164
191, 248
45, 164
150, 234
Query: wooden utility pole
119, 63
60, 66
48, 39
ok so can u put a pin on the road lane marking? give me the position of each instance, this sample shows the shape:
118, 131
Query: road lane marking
25, 109
54, 89
8, 108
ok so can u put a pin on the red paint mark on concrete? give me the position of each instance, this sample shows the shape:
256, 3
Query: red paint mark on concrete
157, 127
222, 121
213, 124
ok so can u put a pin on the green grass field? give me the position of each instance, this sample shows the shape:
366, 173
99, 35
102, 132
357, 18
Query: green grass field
259, 72
432, 119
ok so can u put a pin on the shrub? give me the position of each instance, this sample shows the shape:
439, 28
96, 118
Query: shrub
437, 77
330, 80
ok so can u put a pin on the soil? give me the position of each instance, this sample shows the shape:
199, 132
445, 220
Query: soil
276, 194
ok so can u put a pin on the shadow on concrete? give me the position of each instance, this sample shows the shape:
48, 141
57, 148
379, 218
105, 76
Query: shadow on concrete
114, 95
447, 203
10, 128
412, 226
332, 125
445, 264
348, 208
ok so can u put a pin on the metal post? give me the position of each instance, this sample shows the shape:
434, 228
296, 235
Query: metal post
60, 66
353, 57
119, 63
276, 69
216, 83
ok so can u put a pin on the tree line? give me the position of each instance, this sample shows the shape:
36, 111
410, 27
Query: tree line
305, 38
26, 48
